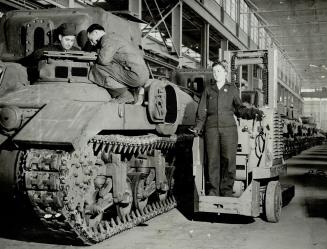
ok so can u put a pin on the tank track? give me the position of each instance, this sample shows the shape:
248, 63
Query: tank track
57, 182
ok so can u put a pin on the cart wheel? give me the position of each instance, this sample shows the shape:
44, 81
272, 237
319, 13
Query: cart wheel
273, 201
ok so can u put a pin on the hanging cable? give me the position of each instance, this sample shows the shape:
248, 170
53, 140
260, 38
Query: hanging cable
260, 143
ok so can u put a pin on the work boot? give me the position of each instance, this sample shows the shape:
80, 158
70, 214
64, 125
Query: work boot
125, 98
227, 194
213, 192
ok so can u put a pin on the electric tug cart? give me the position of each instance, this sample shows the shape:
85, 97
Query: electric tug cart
259, 161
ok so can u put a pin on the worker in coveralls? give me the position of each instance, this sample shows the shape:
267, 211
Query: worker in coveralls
120, 67
66, 38
218, 104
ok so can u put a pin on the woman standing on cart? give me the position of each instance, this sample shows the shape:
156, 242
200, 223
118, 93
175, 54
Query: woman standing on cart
219, 102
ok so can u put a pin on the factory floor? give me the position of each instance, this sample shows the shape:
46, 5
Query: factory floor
303, 223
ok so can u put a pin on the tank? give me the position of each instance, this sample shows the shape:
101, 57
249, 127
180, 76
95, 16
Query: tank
90, 167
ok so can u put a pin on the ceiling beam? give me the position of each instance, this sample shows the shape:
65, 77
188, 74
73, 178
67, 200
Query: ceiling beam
309, 72
302, 65
288, 24
283, 10
308, 59
304, 35
68, 3
278, 11
59, 4
13, 5
294, 44
309, 83
306, 51
20, 5
314, 78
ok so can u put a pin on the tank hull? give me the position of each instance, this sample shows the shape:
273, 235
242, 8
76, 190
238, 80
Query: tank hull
89, 166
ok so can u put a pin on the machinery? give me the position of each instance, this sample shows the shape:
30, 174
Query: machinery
300, 134
259, 161
90, 167
310, 135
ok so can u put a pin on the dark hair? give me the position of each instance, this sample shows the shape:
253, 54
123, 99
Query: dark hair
222, 63
67, 29
93, 27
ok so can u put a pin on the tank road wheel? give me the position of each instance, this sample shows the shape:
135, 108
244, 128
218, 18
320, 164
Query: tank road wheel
125, 207
98, 202
170, 177
158, 196
273, 201
166, 191
92, 220
139, 187
162, 195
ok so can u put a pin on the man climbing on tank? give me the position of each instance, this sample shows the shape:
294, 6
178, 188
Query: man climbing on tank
120, 67
218, 104
66, 38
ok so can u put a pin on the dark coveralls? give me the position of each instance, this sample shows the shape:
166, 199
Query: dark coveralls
215, 113
119, 64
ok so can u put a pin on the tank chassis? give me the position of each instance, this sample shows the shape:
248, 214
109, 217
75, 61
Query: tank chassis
90, 167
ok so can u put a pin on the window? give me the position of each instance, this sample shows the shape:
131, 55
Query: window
284, 78
268, 41
219, 2
245, 72
262, 38
231, 8
279, 65
287, 74
244, 16
227, 7
282, 69
282, 92
292, 79
285, 97
254, 28
256, 71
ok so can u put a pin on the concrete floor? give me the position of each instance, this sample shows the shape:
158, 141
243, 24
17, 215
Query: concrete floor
303, 223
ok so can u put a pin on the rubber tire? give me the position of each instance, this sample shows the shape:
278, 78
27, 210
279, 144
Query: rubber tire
273, 201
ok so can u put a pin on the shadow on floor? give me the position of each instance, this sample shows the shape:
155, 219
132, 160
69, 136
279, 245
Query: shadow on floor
307, 164
22, 224
223, 218
307, 180
313, 157
316, 208
308, 171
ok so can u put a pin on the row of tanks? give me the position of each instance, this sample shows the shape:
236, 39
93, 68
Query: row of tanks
300, 134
